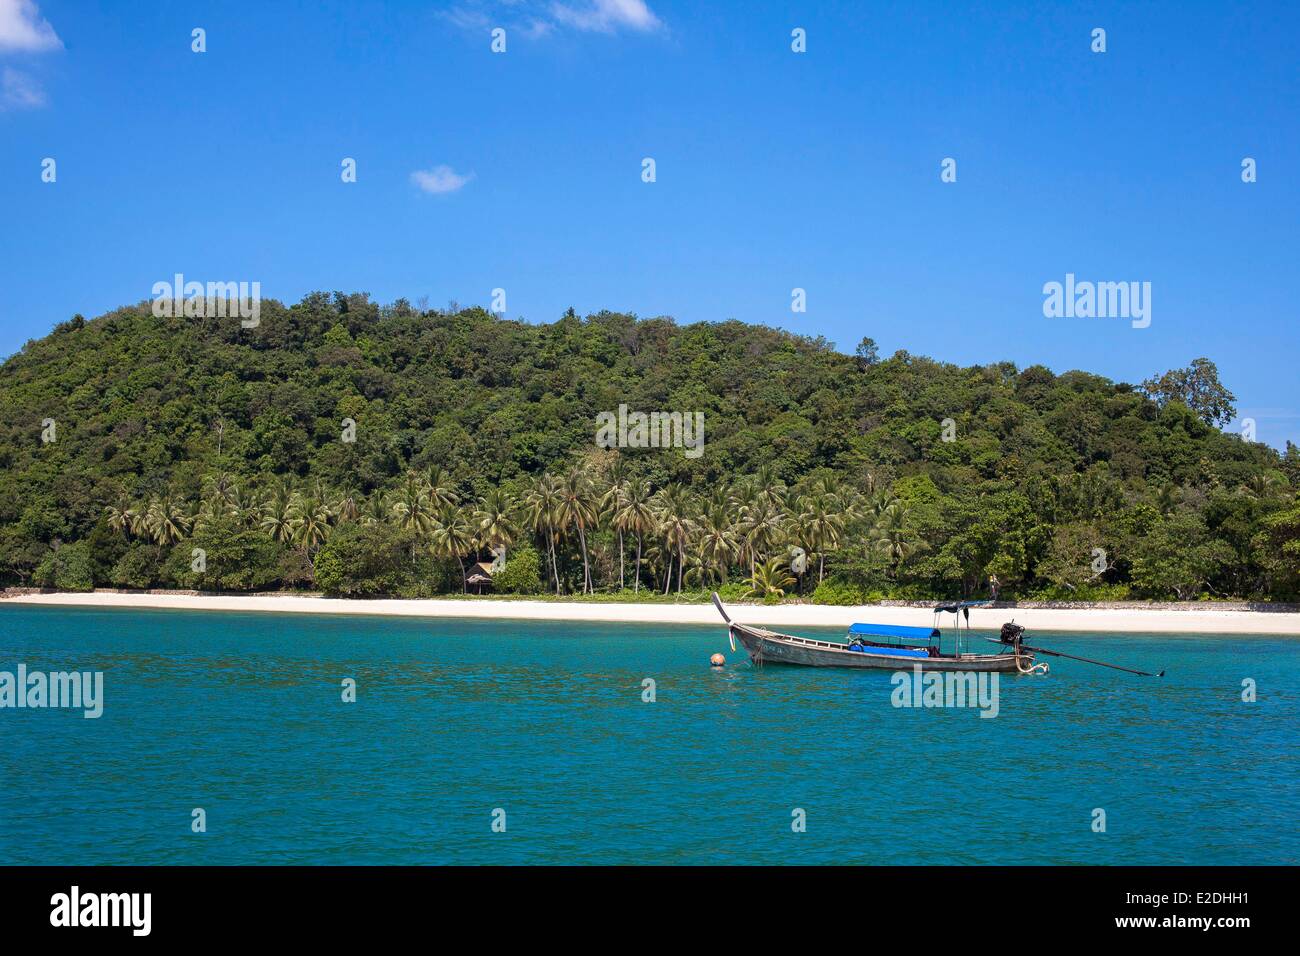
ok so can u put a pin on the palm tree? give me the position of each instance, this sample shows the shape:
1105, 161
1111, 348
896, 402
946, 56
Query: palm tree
762, 524
881, 502
843, 496
768, 486
743, 496
496, 519
659, 559
309, 517
578, 508
440, 488
892, 537
220, 486
347, 505
718, 543
453, 536
140, 524
869, 484
616, 479
673, 510
209, 511
375, 510
1264, 484
822, 516
895, 544
770, 578
609, 505
412, 508
166, 519
634, 515
124, 517
698, 571
542, 511
277, 514
245, 507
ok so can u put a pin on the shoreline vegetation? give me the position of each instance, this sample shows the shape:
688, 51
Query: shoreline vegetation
363, 450
695, 608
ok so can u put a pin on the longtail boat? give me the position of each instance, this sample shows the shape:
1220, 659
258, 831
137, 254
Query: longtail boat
879, 646
897, 647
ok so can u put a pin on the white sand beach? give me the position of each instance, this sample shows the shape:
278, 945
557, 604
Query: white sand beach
1196, 619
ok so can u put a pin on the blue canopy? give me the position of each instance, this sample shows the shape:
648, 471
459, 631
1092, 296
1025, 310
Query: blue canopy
895, 630
893, 651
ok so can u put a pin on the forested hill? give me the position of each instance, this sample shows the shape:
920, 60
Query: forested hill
129, 441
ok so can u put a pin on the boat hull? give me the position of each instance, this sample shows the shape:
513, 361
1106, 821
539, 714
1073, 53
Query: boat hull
767, 647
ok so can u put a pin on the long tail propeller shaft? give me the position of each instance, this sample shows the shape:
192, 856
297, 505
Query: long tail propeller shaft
1088, 660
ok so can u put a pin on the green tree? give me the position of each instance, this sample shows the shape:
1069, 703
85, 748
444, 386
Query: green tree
67, 568
544, 512
867, 352
578, 509
770, 580
369, 561
497, 519
1280, 537
1177, 557
522, 573
454, 536
1070, 562
673, 509
1198, 387
223, 555
137, 568
634, 514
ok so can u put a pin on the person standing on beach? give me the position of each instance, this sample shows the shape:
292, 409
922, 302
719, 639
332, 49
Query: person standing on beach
993, 587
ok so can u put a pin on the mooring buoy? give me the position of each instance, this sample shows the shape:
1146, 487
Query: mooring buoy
717, 660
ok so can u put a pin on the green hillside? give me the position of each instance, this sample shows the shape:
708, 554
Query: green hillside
176, 434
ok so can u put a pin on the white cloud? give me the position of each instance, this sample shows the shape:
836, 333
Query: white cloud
440, 179
537, 18
534, 28
606, 16
22, 28
468, 18
19, 91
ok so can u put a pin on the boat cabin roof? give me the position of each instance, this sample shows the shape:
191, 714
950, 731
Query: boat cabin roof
952, 607
895, 630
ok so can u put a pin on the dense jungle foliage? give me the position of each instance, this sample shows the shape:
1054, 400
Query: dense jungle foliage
139, 451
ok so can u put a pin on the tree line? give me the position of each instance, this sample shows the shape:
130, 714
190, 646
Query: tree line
591, 527
193, 453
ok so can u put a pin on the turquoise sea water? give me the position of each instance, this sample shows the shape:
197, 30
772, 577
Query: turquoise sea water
241, 714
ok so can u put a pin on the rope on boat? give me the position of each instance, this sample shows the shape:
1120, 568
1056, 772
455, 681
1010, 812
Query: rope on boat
1039, 668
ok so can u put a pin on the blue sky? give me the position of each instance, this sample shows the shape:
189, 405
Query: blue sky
775, 170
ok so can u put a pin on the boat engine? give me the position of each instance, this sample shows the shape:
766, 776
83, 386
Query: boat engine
1011, 633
